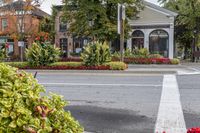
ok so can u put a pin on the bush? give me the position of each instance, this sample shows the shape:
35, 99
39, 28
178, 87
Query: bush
23, 110
155, 56
70, 64
42, 55
117, 65
140, 53
17, 64
96, 54
175, 61
3, 52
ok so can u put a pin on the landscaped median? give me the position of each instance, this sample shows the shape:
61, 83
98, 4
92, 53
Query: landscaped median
70, 66
132, 60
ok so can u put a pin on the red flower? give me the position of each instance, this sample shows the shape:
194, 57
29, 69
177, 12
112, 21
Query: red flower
194, 130
6, 45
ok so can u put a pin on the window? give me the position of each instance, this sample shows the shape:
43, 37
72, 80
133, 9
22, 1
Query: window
62, 25
4, 24
159, 43
137, 39
20, 25
63, 45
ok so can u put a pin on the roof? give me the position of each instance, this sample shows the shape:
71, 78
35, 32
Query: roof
161, 9
17, 5
151, 5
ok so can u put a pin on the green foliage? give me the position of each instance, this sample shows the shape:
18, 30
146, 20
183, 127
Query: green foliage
95, 54
23, 110
155, 56
3, 52
42, 55
17, 64
103, 14
143, 52
187, 24
70, 64
117, 65
175, 61
137, 53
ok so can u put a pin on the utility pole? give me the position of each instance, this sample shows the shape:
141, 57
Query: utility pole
121, 20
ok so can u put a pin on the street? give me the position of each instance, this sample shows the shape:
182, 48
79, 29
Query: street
121, 103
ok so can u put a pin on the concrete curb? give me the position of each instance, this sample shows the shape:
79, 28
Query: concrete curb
141, 71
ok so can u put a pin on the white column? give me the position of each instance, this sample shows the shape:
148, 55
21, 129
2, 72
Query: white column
129, 41
146, 38
171, 41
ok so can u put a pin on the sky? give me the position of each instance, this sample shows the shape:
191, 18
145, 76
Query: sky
46, 5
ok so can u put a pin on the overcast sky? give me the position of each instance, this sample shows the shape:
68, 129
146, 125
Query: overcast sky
46, 6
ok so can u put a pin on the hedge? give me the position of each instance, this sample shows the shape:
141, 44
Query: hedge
71, 66
153, 59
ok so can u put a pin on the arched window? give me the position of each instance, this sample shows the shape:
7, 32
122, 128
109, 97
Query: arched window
137, 39
159, 42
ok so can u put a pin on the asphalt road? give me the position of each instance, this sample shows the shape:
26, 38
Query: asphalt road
121, 103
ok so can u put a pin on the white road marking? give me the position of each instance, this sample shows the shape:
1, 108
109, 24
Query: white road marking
170, 115
90, 84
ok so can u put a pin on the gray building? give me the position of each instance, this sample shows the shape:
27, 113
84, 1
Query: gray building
153, 29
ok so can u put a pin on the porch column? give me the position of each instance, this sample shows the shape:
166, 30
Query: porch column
146, 39
129, 41
171, 41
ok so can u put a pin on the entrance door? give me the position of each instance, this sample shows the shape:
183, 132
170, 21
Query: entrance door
64, 46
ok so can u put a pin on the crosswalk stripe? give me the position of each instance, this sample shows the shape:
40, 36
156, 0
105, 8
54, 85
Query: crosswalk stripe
170, 115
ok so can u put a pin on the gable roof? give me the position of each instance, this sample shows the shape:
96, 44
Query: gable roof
161, 9
18, 5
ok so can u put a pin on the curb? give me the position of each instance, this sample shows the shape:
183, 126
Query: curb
107, 71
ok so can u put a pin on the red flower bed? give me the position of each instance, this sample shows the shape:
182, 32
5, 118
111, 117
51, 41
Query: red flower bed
194, 130
69, 67
145, 60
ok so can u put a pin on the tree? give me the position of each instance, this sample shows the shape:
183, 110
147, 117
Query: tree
18, 11
187, 23
21, 14
47, 25
97, 18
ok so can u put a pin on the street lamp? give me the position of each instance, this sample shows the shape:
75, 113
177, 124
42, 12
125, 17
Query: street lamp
121, 20
193, 44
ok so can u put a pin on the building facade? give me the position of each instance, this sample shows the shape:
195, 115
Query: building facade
153, 29
16, 22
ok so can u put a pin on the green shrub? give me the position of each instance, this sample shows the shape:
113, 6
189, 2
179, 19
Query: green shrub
70, 64
96, 54
23, 110
17, 64
116, 54
128, 53
3, 52
117, 65
155, 56
42, 55
175, 61
140, 53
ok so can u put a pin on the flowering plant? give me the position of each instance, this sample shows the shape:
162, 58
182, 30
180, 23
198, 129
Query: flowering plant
193, 130
42, 37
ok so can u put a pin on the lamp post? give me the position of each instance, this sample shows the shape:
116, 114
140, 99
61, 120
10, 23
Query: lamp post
121, 20
193, 44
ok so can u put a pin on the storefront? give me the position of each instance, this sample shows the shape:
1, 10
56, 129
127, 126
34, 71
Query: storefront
153, 29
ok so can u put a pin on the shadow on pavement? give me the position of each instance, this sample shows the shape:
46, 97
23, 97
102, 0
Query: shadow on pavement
104, 120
